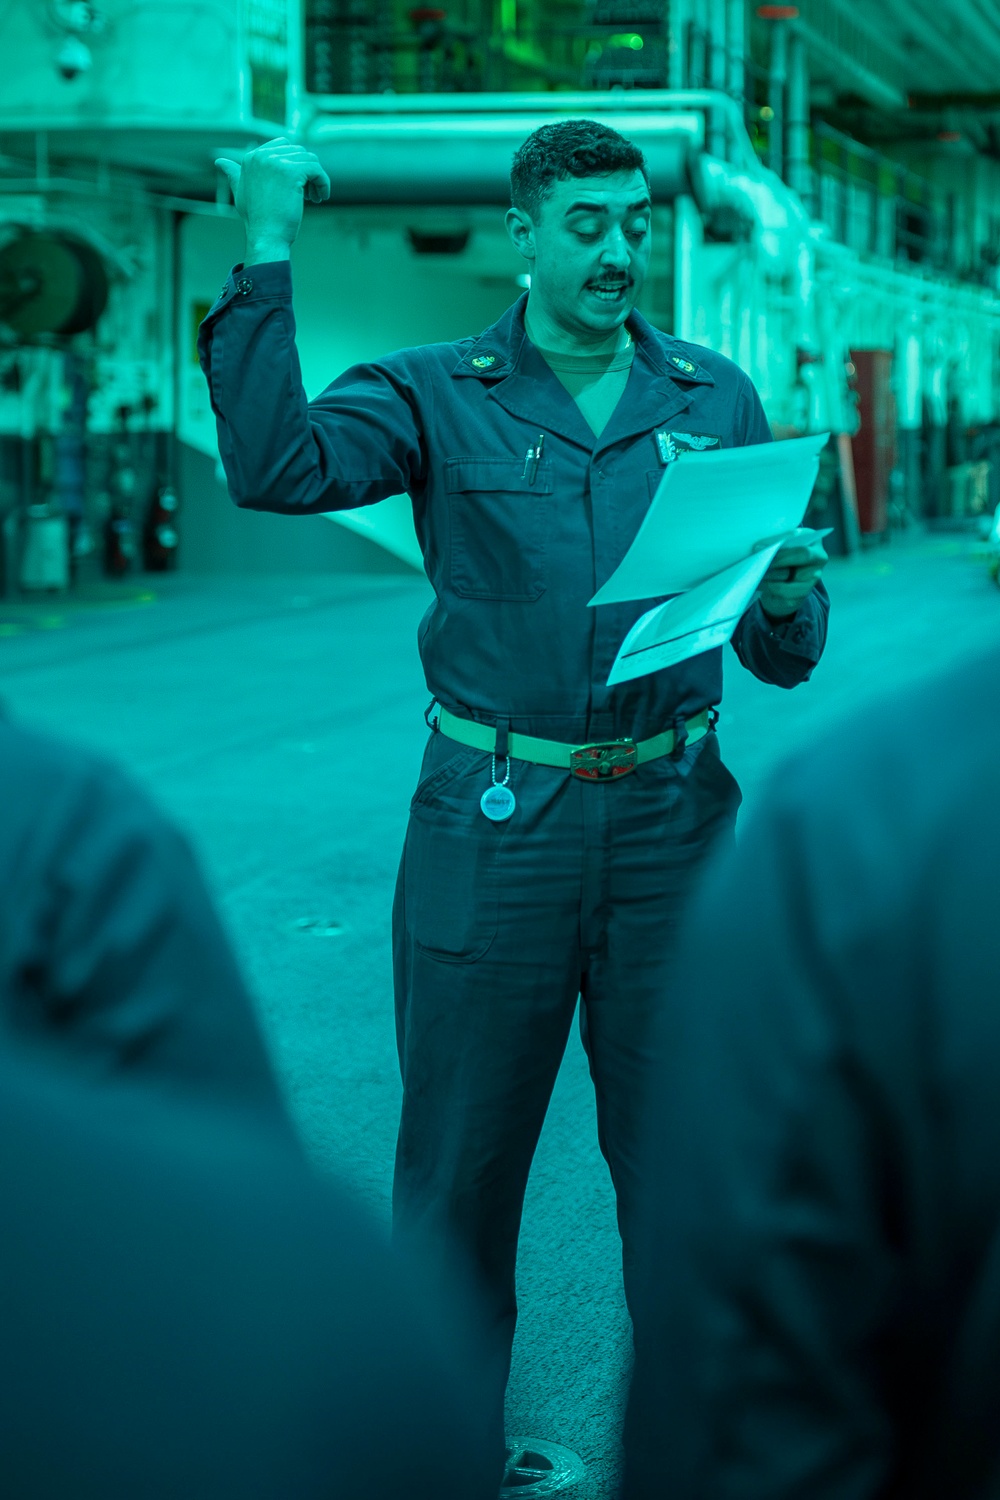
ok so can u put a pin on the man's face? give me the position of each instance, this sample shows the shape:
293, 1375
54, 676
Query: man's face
588, 250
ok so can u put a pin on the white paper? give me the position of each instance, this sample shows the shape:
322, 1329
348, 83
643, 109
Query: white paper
699, 620
711, 509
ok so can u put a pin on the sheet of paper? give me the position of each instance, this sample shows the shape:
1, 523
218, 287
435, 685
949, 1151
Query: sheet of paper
710, 510
697, 621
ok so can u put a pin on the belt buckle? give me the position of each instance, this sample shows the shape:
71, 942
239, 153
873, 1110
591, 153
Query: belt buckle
606, 760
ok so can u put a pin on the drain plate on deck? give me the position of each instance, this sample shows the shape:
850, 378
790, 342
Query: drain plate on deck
536, 1468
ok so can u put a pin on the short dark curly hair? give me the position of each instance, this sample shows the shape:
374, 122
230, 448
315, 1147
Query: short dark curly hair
569, 148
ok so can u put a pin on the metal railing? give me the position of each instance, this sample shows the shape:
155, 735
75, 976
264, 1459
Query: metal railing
875, 205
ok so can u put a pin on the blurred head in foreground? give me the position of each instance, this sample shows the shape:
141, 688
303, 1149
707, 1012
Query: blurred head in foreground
821, 1264
187, 1310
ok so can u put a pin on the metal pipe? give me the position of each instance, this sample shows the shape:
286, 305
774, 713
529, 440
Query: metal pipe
600, 101
424, 133
463, 116
870, 22
717, 73
137, 195
677, 42
959, 32
777, 73
717, 45
799, 175
697, 45
687, 236
736, 47
467, 160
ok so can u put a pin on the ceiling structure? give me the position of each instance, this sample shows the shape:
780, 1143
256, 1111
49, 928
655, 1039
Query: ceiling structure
903, 69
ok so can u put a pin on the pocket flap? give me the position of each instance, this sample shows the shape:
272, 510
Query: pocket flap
495, 474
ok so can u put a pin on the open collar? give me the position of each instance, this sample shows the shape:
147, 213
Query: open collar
661, 382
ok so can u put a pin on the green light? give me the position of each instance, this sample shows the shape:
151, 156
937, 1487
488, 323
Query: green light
626, 39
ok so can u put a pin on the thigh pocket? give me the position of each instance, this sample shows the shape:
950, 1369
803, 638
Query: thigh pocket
710, 795
451, 873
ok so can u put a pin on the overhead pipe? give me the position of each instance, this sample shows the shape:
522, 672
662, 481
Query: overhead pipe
523, 108
866, 83
391, 149
82, 186
870, 23
510, 102
456, 160
959, 31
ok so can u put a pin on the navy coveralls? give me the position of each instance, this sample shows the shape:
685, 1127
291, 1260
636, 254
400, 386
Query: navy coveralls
498, 928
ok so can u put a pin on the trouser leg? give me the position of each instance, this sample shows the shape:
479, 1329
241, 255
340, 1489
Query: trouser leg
487, 965
657, 847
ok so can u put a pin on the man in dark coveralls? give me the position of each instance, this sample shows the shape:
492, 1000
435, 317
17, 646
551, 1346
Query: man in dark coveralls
531, 453
821, 1316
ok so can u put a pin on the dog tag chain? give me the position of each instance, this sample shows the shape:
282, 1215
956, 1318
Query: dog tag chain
498, 801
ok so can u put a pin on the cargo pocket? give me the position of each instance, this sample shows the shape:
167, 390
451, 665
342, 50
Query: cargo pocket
710, 797
451, 878
498, 528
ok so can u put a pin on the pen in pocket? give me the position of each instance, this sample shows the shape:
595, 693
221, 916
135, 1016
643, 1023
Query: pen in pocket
532, 458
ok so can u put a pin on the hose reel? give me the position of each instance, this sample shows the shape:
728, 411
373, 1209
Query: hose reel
53, 283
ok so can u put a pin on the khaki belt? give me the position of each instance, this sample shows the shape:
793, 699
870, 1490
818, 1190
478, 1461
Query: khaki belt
602, 761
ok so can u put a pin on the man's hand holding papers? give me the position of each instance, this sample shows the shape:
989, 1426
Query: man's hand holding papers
714, 529
796, 567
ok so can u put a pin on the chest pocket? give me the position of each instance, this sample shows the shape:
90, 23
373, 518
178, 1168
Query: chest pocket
499, 527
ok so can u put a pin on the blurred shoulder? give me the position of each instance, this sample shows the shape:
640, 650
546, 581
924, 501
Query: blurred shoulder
48, 781
918, 754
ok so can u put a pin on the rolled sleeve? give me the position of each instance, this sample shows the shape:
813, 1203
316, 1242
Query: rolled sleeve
357, 443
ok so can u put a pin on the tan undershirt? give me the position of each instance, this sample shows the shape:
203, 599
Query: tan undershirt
595, 381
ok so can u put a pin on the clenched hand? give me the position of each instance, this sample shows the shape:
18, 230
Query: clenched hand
269, 190
795, 569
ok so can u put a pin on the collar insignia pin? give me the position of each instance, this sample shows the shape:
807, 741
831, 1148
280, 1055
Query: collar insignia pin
484, 361
682, 364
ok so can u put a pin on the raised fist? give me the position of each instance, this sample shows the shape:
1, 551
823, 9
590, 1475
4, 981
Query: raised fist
270, 187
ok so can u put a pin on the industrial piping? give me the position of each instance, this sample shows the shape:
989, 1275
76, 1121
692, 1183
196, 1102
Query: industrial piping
411, 150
